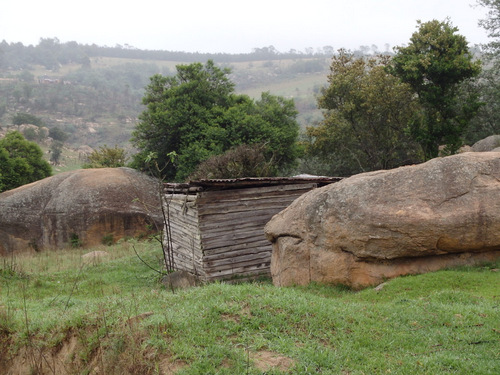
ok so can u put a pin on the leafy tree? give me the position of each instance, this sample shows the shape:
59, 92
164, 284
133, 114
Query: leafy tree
56, 152
367, 112
33, 133
48, 51
487, 122
26, 118
492, 24
21, 162
57, 134
5, 168
435, 64
106, 157
196, 114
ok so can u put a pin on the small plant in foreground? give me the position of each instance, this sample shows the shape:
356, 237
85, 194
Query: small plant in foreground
75, 240
108, 239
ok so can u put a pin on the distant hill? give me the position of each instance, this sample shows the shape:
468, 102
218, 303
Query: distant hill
94, 93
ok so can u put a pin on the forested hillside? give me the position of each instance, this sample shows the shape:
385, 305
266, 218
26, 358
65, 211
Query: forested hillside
93, 93
87, 96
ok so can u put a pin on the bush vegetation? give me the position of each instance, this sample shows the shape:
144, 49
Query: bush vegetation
106, 157
238, 162
21, 162
197, 114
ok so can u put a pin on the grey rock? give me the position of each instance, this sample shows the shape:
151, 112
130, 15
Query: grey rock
486, 144
78, 207
180, 280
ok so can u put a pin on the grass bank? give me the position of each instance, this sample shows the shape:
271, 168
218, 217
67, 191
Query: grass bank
59, 314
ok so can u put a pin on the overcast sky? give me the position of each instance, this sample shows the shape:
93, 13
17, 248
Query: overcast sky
232, 26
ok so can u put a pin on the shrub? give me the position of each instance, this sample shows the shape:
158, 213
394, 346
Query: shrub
26, 118
21, 162
75, 240
106, 157
57, 134
241, 161
108, 239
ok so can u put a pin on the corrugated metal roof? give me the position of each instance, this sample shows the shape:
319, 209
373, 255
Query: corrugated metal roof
239, 183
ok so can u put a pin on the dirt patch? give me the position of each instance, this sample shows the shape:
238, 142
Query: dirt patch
230, 317
266, 360
4, 348
236, 318
245, 311
167, 367
71, 356
37, 359
139, 318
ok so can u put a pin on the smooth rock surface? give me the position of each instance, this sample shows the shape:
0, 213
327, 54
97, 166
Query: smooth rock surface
383, 224
80, 206
487, 144
180, 280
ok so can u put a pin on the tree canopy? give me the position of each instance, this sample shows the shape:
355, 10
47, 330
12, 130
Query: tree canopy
492, 24
367, 112
196, 114
435, 64
26, 118
487, 122
21, 162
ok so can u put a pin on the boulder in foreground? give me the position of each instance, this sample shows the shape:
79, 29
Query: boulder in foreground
378, 225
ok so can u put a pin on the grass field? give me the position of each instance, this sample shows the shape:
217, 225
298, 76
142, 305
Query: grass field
60, 315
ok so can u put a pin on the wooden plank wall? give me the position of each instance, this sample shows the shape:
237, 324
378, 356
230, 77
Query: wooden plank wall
182, 211
231, 228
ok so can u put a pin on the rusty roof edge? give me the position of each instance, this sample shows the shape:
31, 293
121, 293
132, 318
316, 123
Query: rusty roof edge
235, 183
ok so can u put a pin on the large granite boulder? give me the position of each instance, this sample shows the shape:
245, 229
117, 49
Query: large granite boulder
383, 224
80, 207
490, 143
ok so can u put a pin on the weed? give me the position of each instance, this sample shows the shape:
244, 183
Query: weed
9, 266
6, 322
75, 240
108, 239
34, 245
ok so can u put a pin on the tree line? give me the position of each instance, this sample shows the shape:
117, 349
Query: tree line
52, 53
380, 111
383, 112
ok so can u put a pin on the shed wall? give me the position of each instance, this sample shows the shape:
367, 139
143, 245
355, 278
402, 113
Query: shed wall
220, 234
182, 218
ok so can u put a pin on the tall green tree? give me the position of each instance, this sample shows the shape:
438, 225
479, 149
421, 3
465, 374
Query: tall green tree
56, 149
436, 63
492, 24
487, 122
196, 114
21, 162
366, 114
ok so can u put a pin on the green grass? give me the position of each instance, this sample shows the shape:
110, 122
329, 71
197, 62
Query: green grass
446, 322
301, 86
69, 160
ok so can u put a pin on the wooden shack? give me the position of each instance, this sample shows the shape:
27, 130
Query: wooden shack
216, 227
